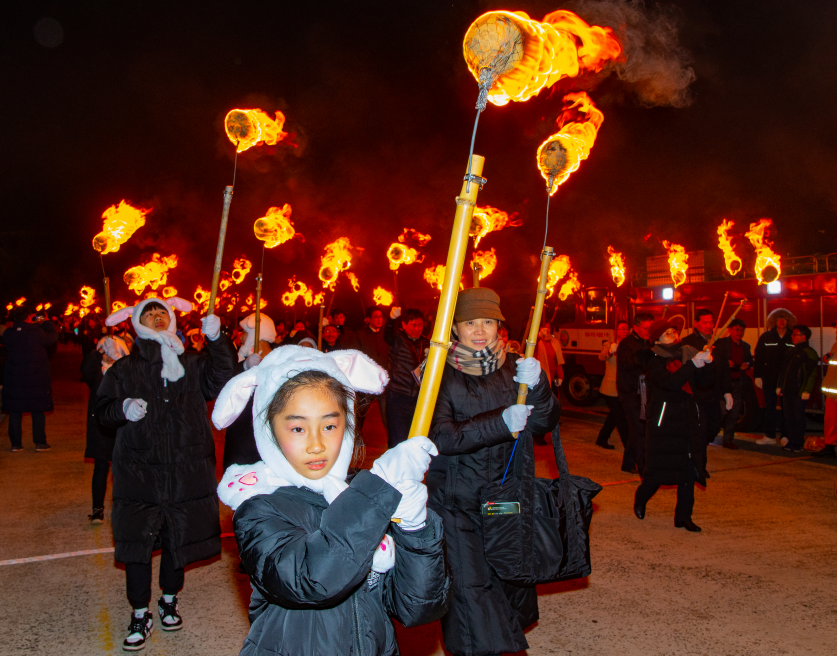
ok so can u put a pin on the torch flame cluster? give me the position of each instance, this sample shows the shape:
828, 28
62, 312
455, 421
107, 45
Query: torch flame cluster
121, 221
435, 275
490, 219
276, 227
399, 253
153, 273
241, 267
731, 260
252, 127
678, 262
766, 257
527, 56
487, 261
88, 296
300, 290
337, 258
382, 297
617, 266
561, 267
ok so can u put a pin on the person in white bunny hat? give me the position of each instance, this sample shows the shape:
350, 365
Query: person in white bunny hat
327, 564
164, 458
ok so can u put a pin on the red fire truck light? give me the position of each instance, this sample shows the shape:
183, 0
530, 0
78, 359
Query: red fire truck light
668, 293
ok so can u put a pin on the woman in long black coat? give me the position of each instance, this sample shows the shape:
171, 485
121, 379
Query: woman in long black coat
675, 453
471, 430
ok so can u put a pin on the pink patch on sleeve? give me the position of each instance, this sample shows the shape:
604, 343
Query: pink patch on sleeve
383, 546
231, 484
249, 479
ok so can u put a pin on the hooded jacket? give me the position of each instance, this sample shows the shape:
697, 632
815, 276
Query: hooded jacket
772, 348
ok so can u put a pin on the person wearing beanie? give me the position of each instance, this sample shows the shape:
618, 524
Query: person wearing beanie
674, 447
164, 458
474, 426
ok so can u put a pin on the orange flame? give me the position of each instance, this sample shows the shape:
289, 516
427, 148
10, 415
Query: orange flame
421, 238
241, 267
766, 257
250, 302
559, 268
337, 258
435, 275
20, 301
10, 306
83, 312
399, 254
168, 292
353, 279
732, 261
202, 297
88, 296
490, 219
252, 127
153, 273
70, 309
47, 306
526, 55
487, 261
97, 310
570, 286
300, 289
121, 221
678, 262
116, 306
39, 307
617, 266
276, 227
562, 153
382, 297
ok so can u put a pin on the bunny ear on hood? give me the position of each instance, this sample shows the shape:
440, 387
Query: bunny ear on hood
120, 315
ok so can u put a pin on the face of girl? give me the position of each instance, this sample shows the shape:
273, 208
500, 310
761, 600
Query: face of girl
477, 333
309, 432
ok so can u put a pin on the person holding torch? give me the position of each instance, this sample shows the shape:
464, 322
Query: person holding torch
475, 426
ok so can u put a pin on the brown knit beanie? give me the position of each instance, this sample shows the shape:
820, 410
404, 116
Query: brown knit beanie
477, 303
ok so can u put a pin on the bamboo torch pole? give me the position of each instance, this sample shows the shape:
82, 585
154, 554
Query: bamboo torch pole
107, 302
537, 313
715, 337
219, 251
320, 330
256, 348
528, 324
477, 272
720, 314
465, 204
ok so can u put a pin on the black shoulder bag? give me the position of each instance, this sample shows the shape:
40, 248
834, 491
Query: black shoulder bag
548, 539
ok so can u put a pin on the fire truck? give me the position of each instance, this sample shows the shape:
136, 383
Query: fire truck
807, 287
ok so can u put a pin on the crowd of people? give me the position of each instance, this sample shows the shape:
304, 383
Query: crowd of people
316, 533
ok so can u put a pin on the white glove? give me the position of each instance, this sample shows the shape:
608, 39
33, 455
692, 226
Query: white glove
759, 383
702, 358
528, 371
395, 312
412, 511
251, 361
515, 417
406, 462
134, 409
113, 347
211, 327
613, 348
384, 558
728, 399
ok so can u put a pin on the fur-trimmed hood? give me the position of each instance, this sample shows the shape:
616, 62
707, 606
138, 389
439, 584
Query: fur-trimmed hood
778, 313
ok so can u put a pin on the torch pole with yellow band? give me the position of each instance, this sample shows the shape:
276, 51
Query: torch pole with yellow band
256, 348
537, 313
219, 251
439, 342
477, 272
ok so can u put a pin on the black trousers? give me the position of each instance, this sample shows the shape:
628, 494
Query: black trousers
730, 417
100, 482
400, 410
635, 449
710, 418
795, 419
773, 420
138, 576
685, 497
615, 419
16, 428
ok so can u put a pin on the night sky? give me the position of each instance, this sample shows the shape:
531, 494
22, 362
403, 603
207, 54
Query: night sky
105, 100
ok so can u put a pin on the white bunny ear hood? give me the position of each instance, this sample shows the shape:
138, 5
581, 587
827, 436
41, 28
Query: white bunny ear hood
267, 332
170, 344
240, 482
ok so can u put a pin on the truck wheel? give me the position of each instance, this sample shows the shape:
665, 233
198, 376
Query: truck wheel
578, 388
752, 414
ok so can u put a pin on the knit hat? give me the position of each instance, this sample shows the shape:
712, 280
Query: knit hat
662, 325
477, 303
170, 344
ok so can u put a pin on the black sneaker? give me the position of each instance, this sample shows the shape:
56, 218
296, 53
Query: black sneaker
42, 447
98, 516
170, 619
17, 448
138, 632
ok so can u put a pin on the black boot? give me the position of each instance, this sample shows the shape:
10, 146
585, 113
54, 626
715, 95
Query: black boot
828, 452
604, 444
688, 524
639, 508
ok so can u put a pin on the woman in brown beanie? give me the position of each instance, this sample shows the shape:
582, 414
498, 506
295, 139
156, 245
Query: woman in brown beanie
473, 424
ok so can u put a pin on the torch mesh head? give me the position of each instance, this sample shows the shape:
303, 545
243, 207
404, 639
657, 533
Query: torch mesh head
239, 125
493, 42
552, 158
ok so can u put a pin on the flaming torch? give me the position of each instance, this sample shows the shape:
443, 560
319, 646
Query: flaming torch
731, 260
559, 268
381, 296
276, 227
483, 263
399, 254
678, 262
300, 289
490, 219
153, 273
768, 262
337, 258
20, 301
241, 267
617, 266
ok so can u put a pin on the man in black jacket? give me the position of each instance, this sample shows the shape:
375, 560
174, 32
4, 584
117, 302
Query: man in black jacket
407, 348
771, 350
732, 357
630, 389
369, 340
707, 395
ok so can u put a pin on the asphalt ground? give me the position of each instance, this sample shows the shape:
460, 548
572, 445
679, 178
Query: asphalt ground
759, 579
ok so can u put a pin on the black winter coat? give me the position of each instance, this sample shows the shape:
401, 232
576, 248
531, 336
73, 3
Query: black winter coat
721, 356
769, 358
100, 439
371, 343
628, 370
674, 446
405, 355
310, 563
709, 389
164, 464
486, 614
27, 385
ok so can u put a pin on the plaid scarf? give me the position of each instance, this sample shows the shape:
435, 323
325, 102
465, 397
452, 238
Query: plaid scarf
476, 363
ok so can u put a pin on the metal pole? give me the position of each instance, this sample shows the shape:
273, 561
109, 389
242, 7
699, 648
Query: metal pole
219, 251
477, 272
256, 348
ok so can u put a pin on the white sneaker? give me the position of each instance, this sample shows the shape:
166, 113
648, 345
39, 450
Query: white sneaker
784, 441
765, 441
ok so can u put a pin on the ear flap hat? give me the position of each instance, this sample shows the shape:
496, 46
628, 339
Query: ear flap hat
170, 344
240, 482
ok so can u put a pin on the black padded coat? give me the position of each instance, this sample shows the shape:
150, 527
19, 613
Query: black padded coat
100, 439
310, 563
27, 385
486, 616
164, 464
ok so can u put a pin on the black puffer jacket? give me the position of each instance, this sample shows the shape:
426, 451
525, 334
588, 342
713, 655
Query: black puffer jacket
486, 615
27, 385
628, 370
100, 439
674, 446
164, 464
405, 355
769, 358
310, 562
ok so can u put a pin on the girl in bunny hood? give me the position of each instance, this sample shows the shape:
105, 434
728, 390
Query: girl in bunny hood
328, 567
164, 458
